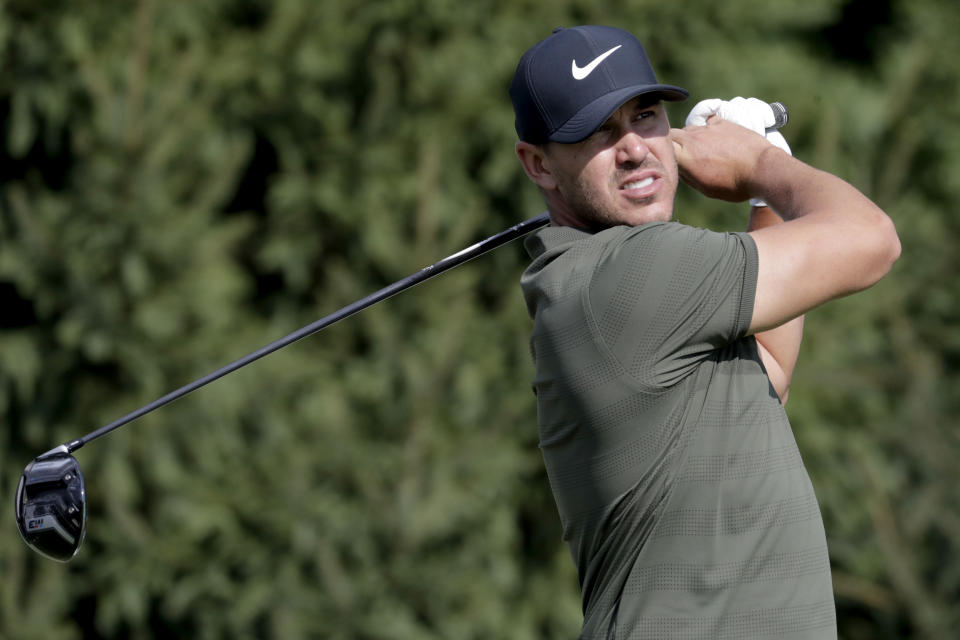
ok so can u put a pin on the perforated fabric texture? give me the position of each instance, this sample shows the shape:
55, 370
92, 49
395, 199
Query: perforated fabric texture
681, 491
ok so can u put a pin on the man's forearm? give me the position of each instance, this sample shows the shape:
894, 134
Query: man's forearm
779, 347
834, 240
795, 189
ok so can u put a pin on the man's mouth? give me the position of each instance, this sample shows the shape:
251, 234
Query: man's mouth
641, 187
638, 184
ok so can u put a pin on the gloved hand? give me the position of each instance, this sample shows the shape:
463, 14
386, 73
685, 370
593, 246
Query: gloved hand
751, 113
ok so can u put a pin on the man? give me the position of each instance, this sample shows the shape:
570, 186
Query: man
664, 352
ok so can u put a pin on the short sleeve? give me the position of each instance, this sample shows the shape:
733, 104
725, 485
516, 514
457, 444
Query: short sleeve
664, 297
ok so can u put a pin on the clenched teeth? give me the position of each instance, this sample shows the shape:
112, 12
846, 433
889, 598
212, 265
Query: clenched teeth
639, 184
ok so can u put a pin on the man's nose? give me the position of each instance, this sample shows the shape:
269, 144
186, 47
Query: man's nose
631, 148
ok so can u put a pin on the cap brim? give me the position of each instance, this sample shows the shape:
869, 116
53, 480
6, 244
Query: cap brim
588, 119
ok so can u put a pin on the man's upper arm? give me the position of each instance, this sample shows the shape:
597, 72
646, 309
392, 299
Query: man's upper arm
808, 261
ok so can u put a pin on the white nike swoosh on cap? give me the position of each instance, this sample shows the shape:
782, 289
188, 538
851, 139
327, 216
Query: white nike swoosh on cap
581, 73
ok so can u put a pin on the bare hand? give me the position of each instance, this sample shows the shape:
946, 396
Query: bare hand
719, 159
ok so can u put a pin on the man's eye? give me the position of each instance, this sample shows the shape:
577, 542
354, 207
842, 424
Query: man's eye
603, 130
645, 114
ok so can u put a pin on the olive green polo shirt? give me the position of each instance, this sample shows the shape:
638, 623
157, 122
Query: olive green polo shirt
681, 492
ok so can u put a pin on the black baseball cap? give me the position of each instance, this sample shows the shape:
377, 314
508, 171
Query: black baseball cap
568, 84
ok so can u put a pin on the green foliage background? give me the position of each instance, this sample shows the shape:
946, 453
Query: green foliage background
182, 182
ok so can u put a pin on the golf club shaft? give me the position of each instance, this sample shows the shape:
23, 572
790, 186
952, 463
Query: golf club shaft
426, 273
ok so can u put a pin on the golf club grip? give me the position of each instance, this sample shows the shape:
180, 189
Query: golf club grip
471, 252
780, 114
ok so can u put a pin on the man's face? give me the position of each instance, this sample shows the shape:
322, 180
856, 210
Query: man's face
625, 173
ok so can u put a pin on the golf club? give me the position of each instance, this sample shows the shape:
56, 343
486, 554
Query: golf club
51, 496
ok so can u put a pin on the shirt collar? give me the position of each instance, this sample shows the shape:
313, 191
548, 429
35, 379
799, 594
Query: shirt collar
547, 238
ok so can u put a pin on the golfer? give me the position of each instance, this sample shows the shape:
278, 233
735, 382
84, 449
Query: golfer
664, 352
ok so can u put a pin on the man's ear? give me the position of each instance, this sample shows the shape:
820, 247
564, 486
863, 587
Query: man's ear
535, 163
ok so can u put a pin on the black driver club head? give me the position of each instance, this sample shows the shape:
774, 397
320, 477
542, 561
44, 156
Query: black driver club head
51, 506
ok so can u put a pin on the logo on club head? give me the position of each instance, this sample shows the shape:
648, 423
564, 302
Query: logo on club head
34, 524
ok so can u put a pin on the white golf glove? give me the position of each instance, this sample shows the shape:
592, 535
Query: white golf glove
751, 113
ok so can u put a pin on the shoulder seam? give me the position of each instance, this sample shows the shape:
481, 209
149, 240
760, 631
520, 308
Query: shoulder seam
597, 335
